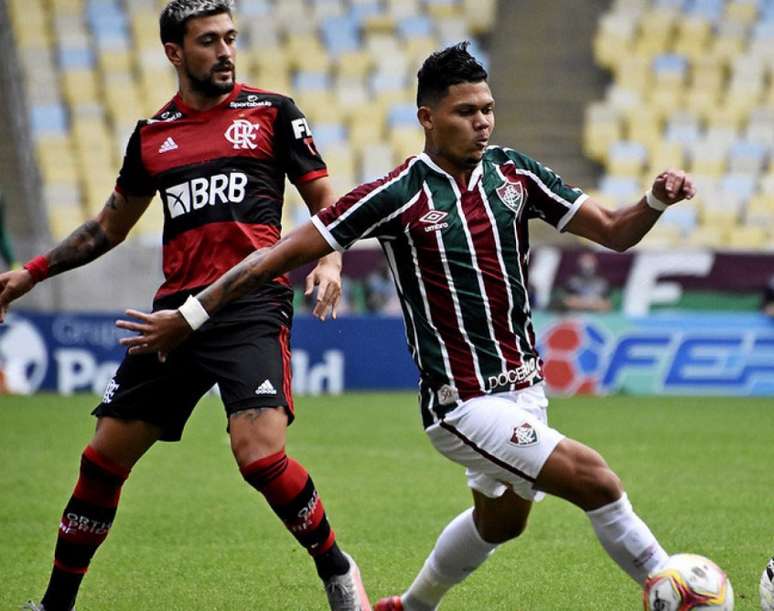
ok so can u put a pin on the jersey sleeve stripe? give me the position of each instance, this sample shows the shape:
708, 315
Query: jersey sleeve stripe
544, 187
378, 188
394, 214
310, 176
571, 212
327, 235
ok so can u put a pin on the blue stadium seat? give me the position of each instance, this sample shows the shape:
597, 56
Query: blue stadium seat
311, 81
621, 189
48, 120
255, 8
365, 9
414, 27
328, 135
402, 115
710, 9
340, 34
75, 58
741, 185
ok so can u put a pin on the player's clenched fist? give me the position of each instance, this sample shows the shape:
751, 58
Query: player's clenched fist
672, 186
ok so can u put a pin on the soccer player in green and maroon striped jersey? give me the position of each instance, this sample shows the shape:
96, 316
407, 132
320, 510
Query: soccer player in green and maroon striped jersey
453, 223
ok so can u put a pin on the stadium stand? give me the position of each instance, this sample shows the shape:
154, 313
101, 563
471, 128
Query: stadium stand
93, 67
693, 86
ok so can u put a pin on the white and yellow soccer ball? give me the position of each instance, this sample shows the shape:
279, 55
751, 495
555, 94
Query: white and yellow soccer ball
767, 587
688, 581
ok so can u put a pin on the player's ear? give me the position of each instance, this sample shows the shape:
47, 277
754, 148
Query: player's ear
425, 116
174, 53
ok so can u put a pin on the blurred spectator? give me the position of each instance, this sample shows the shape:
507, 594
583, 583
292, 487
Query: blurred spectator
380, 295
586, 290
767, 306
6, 252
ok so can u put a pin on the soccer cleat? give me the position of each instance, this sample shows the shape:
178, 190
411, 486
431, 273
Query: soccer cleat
346, 592
31, 606
391, 603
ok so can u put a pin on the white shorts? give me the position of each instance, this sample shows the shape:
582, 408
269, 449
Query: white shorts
503, 440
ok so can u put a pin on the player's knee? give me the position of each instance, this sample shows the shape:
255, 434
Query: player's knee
605, 488
500, 531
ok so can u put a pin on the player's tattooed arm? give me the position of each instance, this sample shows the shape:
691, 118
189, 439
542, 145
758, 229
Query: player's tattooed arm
98, 235
83, 245
164, 330
301, 246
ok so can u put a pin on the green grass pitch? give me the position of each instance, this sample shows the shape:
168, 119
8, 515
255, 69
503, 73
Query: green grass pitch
190, 535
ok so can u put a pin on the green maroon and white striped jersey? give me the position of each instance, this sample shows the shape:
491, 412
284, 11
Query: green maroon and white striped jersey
458, 255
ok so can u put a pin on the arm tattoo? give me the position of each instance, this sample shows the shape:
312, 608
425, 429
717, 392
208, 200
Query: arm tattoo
245, 276
83, 245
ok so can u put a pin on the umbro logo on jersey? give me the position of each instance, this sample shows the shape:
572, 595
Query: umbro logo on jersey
524, 435
266, 389
169, 145
434, 220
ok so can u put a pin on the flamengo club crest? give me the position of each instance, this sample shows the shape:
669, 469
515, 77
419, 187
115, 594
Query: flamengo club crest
512, 194
242, 134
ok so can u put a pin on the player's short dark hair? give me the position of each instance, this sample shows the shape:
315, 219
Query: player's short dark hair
176, 14
451, 66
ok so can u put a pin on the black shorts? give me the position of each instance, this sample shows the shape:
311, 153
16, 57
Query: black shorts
244, 349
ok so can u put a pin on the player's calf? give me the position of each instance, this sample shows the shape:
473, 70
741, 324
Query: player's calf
85, 524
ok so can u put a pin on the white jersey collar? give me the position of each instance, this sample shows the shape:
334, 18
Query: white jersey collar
474, 176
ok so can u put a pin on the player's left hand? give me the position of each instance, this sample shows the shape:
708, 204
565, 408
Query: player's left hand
672, 186
327, 278
159, 332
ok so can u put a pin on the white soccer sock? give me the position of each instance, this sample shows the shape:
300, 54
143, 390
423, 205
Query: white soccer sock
627, 539
459, 551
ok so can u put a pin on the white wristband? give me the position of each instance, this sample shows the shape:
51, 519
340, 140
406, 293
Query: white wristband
655, 202
193, 312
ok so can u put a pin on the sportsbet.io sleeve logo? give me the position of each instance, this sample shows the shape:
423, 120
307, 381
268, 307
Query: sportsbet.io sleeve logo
205, 191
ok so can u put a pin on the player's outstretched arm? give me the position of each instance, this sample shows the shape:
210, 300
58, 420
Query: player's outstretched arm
162, 331
622, 229
326, 276
89, 241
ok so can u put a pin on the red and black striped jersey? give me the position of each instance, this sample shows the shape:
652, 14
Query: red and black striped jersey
458, 255
220, 174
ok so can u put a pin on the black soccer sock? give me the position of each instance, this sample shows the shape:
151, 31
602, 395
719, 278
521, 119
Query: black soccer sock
85, 524
333, 562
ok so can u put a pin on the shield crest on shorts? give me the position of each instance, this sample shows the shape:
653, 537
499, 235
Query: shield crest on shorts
512, 194
524, 435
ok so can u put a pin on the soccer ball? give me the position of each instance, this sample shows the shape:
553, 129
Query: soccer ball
767, 587
688, 581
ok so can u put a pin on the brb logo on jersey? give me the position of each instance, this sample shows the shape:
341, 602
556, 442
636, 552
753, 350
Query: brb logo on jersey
242, 134
200, 192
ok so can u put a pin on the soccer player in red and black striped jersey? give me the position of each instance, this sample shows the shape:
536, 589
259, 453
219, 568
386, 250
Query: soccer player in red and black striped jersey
453, 223
218, 154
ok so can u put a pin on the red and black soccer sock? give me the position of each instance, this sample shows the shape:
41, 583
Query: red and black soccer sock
290, 492
85, 523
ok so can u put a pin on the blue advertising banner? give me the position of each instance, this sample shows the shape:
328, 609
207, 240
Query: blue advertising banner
686, 353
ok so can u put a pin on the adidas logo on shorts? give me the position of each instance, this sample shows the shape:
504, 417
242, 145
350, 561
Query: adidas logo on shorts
266, 389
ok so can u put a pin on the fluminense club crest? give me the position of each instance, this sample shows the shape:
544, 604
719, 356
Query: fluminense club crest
512, 194
524, 435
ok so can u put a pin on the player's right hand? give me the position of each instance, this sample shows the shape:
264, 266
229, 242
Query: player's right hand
13, 285
160, 332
